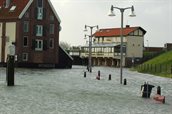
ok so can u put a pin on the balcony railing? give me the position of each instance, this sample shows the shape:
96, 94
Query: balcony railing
102, 54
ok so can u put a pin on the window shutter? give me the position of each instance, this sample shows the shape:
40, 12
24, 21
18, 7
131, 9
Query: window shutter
33, 44
44, 13
44, 30
45, 45
47, 28
36, 13
34, 30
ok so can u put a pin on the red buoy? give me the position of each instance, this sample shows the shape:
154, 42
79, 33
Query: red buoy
98, 77
159, 98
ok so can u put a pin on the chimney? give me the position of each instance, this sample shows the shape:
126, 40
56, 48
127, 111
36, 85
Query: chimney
127, 26
7, 3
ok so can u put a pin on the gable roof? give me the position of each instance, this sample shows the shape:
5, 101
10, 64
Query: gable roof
54, 11
21, 7
110, 32
5, 13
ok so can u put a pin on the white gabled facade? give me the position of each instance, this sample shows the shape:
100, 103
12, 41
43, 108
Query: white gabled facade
106, 46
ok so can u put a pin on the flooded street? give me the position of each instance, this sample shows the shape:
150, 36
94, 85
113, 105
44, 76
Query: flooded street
58, 91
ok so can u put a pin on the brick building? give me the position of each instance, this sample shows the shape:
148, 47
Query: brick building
34, 26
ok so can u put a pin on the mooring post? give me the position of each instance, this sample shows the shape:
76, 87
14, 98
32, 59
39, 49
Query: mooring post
109, 76
125, 81
10, 71
99, 73
85, 74
10, 65
159, 90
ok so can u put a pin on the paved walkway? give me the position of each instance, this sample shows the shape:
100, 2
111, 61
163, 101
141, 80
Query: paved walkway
68, 92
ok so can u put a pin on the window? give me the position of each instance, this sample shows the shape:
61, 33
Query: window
51, 18
136, 33
39, 30
132, 33
26, 26
40, 3
51, 43
40, 13
51, 28
140, 33
39, 45
24, 56
12, 8
25, 41
26, 15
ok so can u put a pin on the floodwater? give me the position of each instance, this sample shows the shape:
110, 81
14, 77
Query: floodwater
58, 91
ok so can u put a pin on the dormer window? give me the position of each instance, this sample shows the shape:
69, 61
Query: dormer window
12, 8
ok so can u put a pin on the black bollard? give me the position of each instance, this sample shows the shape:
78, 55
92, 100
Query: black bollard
163, 100
125, 81
90, 69
85, 74
10, 70
109, 76
98, 76
159, 90
99, 73
87, 68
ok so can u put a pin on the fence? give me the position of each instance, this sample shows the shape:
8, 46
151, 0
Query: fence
156, 68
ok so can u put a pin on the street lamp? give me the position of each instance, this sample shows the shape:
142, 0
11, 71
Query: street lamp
90, 45
121, 32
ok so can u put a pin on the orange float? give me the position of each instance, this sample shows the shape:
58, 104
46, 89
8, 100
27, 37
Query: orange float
159, 98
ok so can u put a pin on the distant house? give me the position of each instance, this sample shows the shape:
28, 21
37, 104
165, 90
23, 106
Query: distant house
34, 26
106, 46
168, 46
154, 49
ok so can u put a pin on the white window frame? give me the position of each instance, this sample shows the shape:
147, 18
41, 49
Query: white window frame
25, 56
39, 45
26, 26
52, 28
40, 13
39, 30
51, 17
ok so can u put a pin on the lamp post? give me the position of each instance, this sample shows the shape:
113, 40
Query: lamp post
90, 45
121, 32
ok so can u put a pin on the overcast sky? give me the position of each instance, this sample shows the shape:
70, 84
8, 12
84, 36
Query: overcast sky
155, 16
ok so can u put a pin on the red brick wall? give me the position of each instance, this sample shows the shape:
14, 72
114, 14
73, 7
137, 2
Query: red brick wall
45, 56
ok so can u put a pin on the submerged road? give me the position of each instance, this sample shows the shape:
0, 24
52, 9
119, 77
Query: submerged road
57, 91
